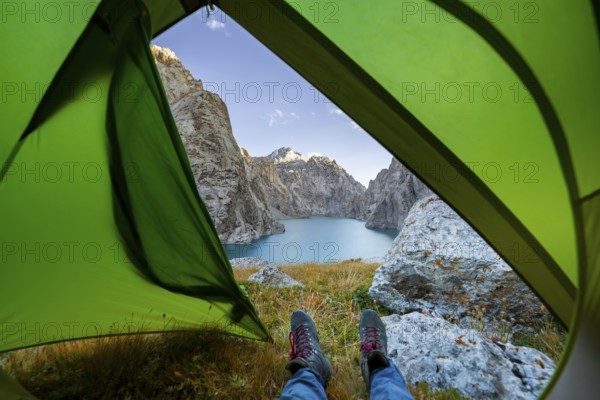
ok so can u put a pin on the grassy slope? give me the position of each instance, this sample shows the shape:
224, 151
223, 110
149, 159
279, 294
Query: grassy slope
203, 365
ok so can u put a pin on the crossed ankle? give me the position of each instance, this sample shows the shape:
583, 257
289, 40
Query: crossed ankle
295, 368
376, 361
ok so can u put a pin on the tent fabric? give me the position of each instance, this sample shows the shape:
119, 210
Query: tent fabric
494, 105
104, 230
11, 390
26, 77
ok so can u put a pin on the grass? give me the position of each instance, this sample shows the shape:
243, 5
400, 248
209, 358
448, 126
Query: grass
548, 336
210, 365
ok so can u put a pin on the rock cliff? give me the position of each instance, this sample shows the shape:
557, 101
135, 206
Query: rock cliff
314, 186
389, 197
239, 209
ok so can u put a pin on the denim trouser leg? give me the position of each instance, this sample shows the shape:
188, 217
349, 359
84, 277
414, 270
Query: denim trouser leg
306, 384
388, 383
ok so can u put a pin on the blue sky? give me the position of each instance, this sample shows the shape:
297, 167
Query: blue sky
269, 104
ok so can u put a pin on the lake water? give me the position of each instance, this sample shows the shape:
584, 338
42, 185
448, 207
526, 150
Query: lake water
319, 240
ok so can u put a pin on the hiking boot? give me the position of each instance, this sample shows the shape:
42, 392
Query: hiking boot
373, 344
306, 351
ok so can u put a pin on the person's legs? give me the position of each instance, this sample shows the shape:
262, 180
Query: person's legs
306, 384
383, 378
309, 367
388, 383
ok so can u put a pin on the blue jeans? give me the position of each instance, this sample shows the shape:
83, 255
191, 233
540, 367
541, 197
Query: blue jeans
386, 383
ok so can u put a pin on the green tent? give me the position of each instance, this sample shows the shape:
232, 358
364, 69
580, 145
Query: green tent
493, 104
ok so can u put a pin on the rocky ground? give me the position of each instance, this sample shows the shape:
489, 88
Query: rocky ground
430, 349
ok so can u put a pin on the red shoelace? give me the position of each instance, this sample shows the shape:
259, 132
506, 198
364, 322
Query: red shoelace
299, 343
372, 341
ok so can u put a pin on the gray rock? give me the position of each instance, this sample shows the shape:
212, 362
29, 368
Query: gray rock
273, 276
439, 263
429, 349
389, 197
248, 262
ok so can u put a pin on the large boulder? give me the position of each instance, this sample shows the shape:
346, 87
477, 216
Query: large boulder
439, 263
273, 276
430, 349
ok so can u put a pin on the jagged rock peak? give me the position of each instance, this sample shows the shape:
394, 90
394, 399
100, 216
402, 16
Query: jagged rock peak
324, 160
389, 197
177, 79
286, 154
244, 152
164, 54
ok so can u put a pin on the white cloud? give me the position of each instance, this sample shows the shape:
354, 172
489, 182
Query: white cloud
278, 117
354, 125
339, 113
215, 25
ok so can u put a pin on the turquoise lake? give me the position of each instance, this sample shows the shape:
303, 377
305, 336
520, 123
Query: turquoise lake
317, 239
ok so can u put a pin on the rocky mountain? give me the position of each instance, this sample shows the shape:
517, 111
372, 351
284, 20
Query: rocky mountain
286, 155
239, 209
315, 186
246, 195
389, 197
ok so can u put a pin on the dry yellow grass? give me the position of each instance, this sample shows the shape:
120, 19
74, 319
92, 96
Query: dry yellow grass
210, 365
